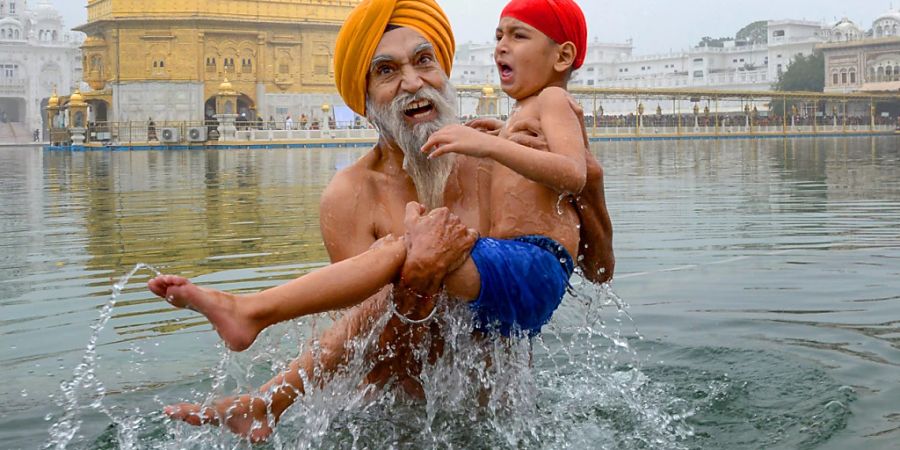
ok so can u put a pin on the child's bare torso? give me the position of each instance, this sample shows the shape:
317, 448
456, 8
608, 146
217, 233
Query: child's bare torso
521, 207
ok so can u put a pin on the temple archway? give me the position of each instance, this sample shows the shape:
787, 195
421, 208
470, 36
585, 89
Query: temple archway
12, 109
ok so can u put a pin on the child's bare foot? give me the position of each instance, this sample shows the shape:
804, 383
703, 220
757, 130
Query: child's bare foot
236, 329
245, 416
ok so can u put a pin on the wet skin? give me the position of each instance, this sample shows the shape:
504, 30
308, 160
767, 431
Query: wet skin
363, 203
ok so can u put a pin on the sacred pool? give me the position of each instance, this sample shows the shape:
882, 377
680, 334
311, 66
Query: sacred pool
755, 305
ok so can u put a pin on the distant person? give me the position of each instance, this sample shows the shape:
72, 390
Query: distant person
151, 130
37, 135
288, 123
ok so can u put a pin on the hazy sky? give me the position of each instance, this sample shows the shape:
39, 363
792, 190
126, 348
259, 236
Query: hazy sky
655, 25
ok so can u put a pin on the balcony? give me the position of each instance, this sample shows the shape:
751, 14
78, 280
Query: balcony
13, 86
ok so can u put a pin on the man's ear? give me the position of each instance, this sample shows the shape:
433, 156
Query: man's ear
566, 57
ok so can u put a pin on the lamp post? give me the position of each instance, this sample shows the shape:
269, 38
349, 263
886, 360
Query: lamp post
753, 113
640, 118
696, 119
706, 116
326, 116
747, 116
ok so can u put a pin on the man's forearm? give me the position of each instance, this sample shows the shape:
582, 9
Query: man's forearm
597, 260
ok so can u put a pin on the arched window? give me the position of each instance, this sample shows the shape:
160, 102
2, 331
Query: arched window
17, 34
162, 64
843, 77
54, 35
838, 36
879, 32
3, 34
852, 76
834, 79
871, 74
880, 74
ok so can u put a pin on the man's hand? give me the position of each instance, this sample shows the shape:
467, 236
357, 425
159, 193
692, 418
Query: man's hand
437, 243
596, 257
527, 132
486, 125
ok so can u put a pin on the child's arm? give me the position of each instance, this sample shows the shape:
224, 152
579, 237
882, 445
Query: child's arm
562, 168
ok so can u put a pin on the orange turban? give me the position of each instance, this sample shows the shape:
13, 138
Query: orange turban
362, 31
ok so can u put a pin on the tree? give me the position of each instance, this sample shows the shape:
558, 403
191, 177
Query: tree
755, 33
805, 73
707, 41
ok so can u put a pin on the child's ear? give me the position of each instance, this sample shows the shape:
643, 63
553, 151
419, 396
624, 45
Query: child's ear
566, 57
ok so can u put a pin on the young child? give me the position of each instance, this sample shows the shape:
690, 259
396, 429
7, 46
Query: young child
514, 279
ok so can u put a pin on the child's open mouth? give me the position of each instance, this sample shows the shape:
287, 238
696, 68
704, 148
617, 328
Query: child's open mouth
505, 71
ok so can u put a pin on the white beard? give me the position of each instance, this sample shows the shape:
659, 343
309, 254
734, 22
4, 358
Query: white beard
428, 175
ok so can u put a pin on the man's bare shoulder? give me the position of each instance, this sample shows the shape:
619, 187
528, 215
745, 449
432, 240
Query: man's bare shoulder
351, 181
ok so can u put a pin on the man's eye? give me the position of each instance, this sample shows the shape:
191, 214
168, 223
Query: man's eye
426, 59
383, 70
520, 36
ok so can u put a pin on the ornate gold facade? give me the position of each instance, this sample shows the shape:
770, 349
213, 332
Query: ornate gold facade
277, 48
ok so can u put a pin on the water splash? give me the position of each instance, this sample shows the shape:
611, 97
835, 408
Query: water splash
85, 390
578, 384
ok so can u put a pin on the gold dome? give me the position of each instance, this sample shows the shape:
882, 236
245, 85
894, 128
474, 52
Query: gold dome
226, 87
487, 91
53, 102
76, 99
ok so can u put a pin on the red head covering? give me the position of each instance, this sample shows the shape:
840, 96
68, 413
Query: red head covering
561, 20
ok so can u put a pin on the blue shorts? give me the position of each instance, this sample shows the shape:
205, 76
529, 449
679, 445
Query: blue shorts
523, 281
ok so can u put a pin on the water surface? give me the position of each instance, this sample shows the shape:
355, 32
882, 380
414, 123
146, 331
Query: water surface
762, 278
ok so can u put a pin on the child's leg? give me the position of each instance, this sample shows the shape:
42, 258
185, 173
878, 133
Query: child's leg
251, 415
239, 319
464, 283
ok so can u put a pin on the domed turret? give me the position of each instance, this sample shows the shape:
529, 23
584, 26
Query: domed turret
845, 30
76, 99
45, 11
487, 91
887, 24
226, 87
53, 102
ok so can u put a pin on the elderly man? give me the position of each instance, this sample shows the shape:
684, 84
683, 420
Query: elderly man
392, 62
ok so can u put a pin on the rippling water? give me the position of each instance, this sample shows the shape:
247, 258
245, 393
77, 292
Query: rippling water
762, 278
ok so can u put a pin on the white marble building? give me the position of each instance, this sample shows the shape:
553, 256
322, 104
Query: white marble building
732, 66
37, 54
858, 61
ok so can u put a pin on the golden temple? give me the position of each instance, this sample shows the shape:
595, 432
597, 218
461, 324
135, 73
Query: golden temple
166, 59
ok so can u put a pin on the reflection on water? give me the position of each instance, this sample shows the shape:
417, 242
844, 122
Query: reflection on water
763, 276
